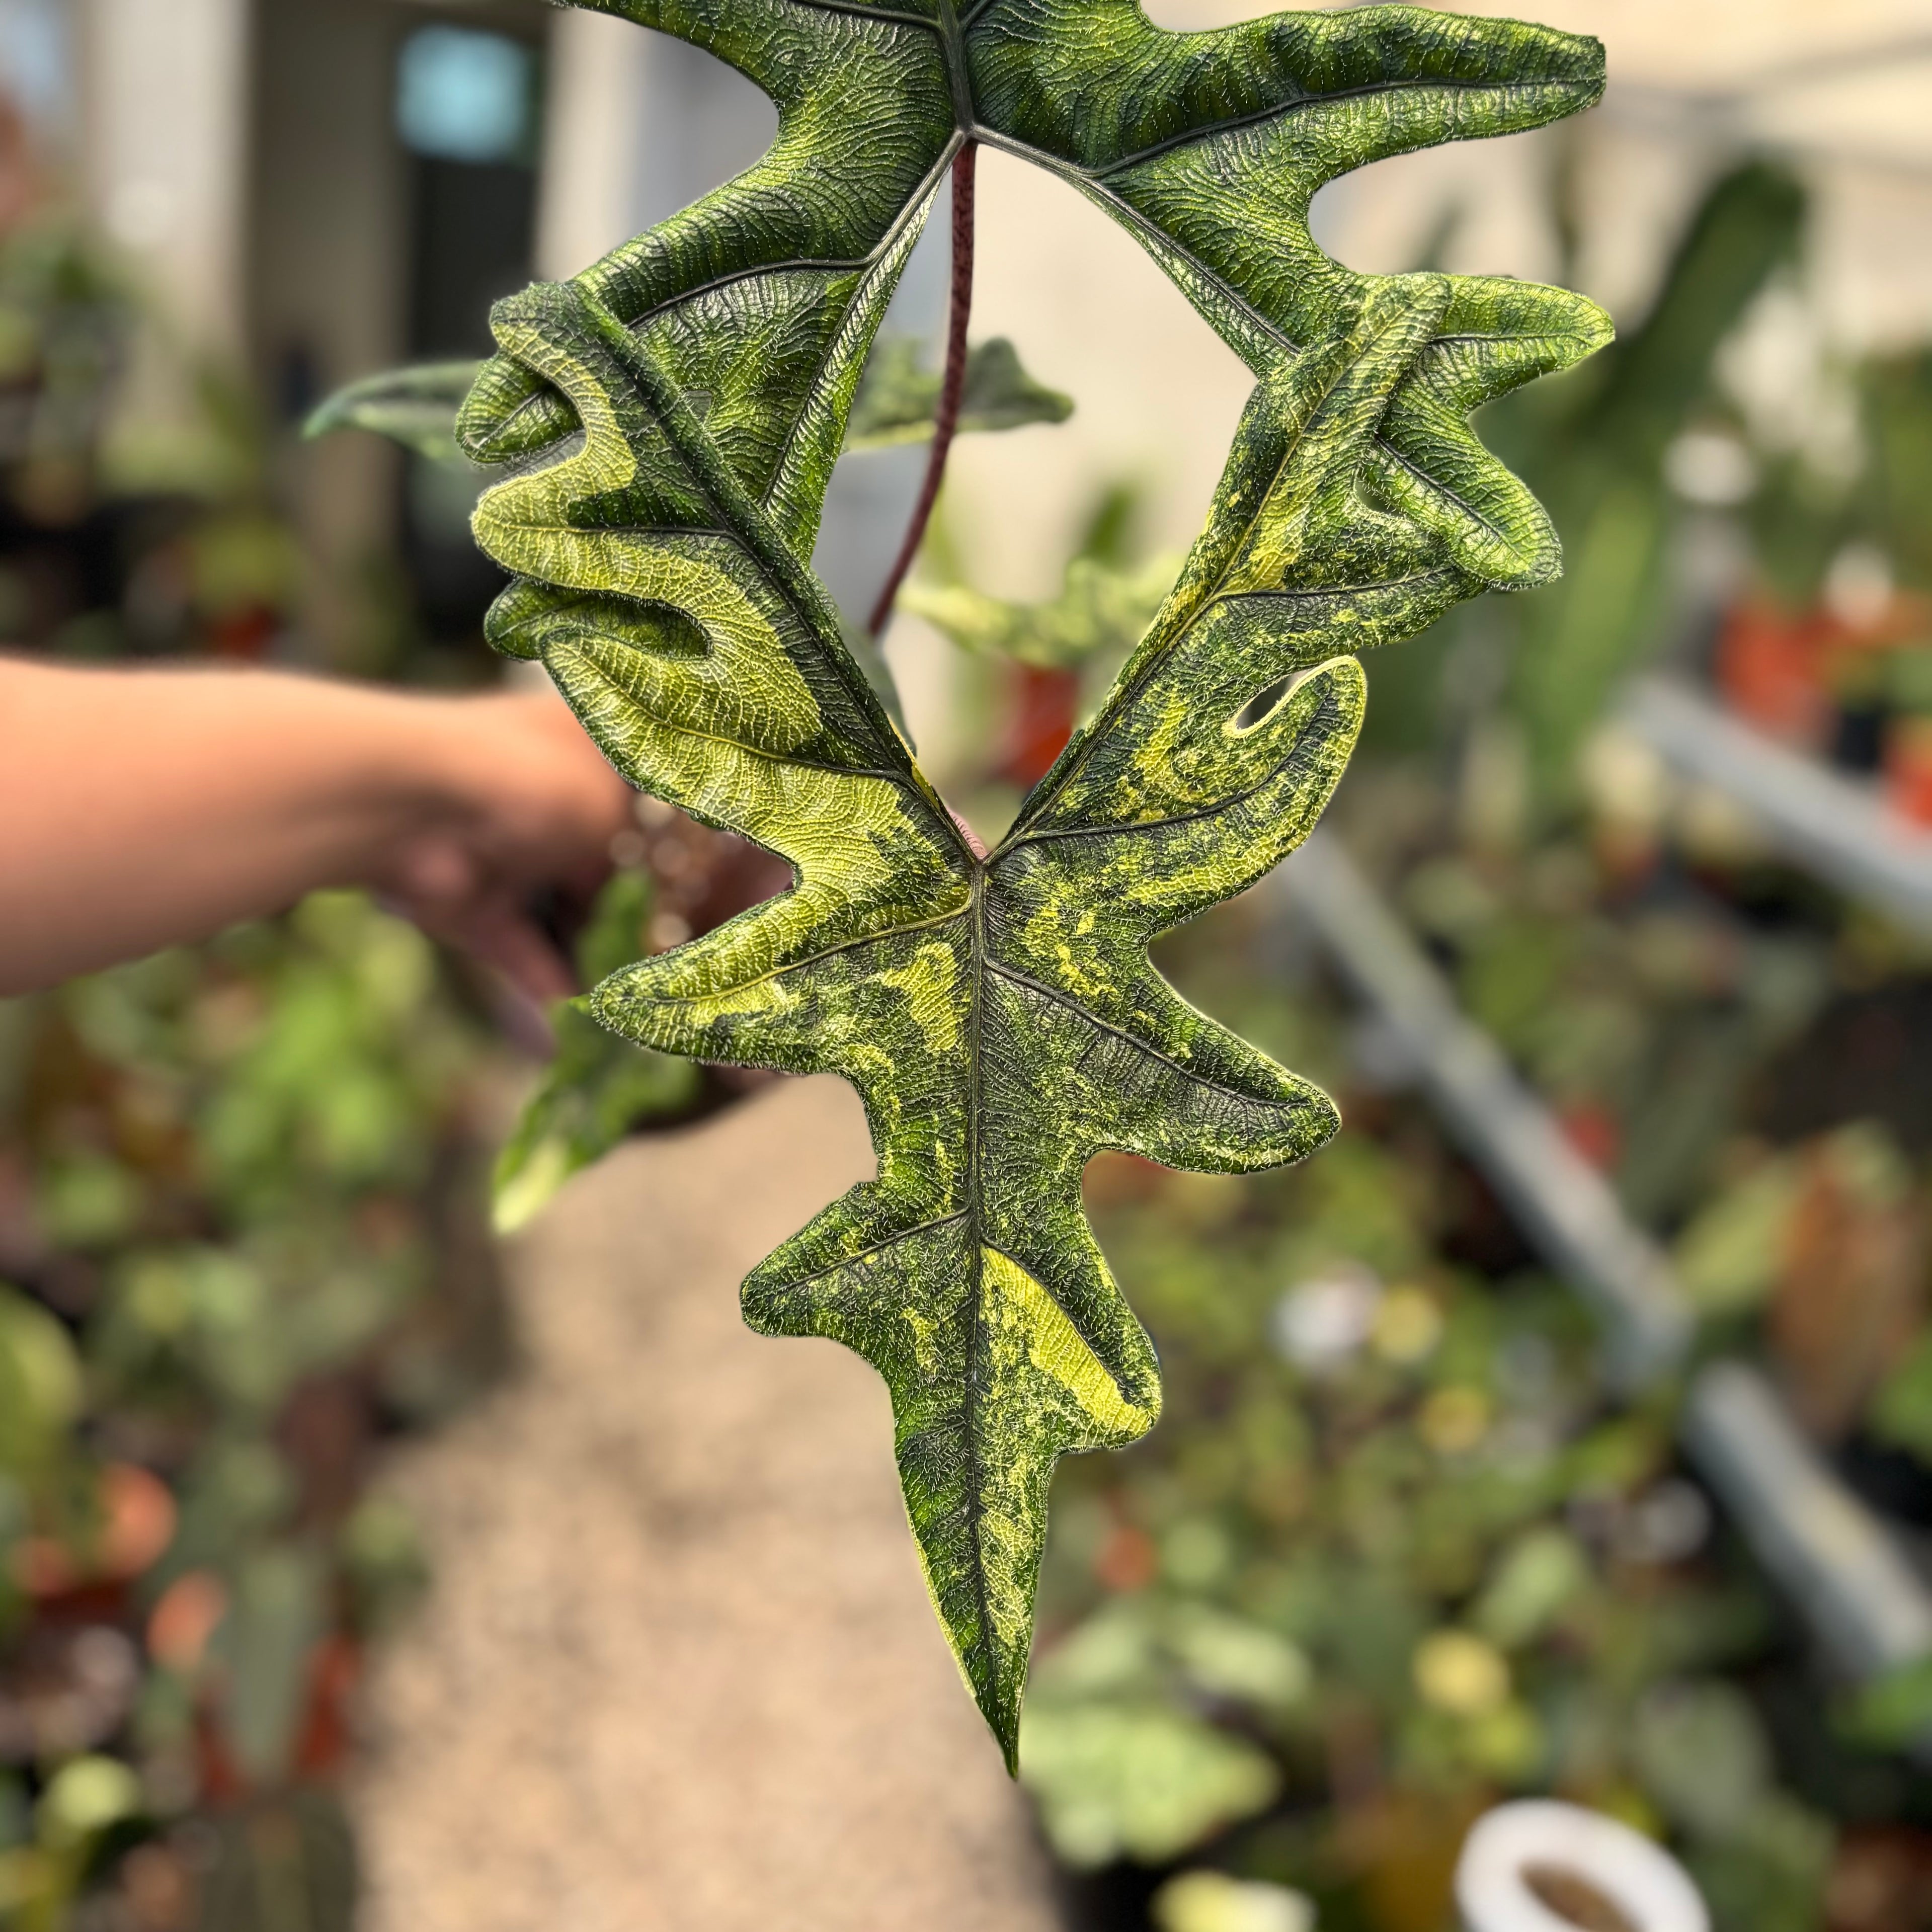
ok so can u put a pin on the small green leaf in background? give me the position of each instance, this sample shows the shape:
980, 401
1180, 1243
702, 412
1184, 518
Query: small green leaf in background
1112, 1746
1535, 1578
1138, 1780
1595, 449
599, 1088
265, 1645
1901, 1412
416, 407
382, 1556
84, 1797
1704, 1757
1893, 1710
1140, 1644
1771, 1875
1729, 1258
899, 396
1099, 612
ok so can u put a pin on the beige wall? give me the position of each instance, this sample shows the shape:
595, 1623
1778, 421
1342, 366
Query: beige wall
164, 88
598, 95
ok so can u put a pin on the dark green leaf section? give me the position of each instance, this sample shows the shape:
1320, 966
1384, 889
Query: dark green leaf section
899, 396
998, 1015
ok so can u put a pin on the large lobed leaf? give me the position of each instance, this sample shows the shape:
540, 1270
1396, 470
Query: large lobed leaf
672, 415
762, 297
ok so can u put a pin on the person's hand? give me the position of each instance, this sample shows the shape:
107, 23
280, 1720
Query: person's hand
516, 804
140, 808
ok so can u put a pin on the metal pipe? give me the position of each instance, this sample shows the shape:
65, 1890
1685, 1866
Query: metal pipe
1841, 1567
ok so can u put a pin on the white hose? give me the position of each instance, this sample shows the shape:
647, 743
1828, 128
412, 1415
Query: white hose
1518, 1851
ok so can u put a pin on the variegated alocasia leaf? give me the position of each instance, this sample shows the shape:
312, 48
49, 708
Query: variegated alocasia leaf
997, 1013
672, 414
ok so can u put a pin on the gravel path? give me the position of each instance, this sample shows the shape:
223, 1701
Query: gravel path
679, 1669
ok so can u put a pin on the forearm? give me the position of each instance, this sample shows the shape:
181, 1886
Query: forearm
145, 808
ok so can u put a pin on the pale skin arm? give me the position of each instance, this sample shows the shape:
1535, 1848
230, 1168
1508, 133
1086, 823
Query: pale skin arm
147, 808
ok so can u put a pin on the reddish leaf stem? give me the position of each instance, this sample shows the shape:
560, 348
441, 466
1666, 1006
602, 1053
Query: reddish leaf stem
951, 388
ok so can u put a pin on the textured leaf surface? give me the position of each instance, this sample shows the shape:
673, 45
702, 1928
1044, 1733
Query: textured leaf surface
672, 415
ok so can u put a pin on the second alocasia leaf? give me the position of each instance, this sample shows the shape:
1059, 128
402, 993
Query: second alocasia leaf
674, 412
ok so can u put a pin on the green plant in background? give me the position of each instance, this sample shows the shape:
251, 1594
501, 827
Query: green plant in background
415, 407
64, 329
1106, 601
183, 505
599, 1088
1594, 448
1889, 504
248, 1171
997, 1011
1597, 447
898, 397
1643, 1023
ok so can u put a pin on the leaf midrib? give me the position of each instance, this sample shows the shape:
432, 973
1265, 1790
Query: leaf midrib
975, 1220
